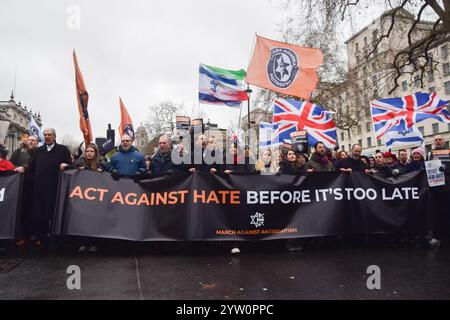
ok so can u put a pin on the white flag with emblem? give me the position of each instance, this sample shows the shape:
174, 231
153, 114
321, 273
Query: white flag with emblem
36, 131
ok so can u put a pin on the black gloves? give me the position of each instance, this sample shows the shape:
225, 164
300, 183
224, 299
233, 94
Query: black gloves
115, 174
136, 177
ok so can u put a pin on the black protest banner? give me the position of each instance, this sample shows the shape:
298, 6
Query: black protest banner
10, 194
204, 206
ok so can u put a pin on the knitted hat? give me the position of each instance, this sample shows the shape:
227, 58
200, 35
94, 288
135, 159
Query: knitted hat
390, 154
419, 151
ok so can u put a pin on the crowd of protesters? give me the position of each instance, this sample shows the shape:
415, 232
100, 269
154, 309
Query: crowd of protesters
41, 167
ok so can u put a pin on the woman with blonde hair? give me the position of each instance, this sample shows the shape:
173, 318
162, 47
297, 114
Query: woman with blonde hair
266, 163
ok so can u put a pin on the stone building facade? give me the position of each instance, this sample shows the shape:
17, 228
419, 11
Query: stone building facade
18, 117
371, 77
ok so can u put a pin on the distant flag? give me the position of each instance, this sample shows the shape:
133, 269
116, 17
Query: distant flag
411, 136
399, 114
292, 115
265, 134
36, 131
126, 124
221, 86
284, 68
82, 98
234, 137
107, 146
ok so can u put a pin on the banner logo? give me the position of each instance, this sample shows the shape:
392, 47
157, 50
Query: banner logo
129, 131
282, 67
257, 219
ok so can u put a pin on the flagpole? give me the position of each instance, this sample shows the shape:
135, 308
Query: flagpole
248, 91
239, 123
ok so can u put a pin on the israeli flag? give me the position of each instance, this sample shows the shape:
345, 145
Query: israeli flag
36, 131
411, 136
265, 134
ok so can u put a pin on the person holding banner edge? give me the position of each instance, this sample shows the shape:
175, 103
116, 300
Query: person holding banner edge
48, 161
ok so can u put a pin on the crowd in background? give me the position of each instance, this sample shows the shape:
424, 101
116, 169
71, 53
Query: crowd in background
41, 167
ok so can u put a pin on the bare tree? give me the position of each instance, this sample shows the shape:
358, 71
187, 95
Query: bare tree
332, 73
162, 118
70, 142
415, 59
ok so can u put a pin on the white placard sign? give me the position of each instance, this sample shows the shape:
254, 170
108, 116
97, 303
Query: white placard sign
435, 177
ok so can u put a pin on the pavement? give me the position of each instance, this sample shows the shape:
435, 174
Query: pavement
202, 271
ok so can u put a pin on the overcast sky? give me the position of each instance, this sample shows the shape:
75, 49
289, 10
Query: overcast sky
144, 51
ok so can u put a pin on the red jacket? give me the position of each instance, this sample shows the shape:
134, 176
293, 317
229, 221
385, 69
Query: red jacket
5, 165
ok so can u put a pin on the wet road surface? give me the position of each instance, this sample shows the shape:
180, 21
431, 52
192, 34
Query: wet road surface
209, 271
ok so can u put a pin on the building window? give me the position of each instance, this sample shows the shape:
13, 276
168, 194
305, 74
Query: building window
342, 136
447, 87
360, 142
349, 147
357, 47
365, 41
368, 126
444, 51
343, 147
422, 130
417, 81
430, 75
359, 129
375, 94
435, 128
374, 67
374, 81
379, 143
446, 68
365, 71
404, 85
369, 142
431, 89
348, 134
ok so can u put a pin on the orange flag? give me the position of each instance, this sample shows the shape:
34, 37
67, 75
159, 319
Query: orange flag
82, 97
126, 124
284, 68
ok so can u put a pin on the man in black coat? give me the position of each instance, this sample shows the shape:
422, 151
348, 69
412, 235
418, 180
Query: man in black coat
48, 161
22, 158
353, 161
203, 159
161, 162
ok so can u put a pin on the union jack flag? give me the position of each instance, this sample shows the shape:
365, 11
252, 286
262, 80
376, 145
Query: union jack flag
293, 115
399, 114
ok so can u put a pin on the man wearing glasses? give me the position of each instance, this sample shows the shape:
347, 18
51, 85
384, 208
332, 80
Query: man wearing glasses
127, 161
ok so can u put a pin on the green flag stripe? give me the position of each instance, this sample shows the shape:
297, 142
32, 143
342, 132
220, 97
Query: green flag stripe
238, 75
